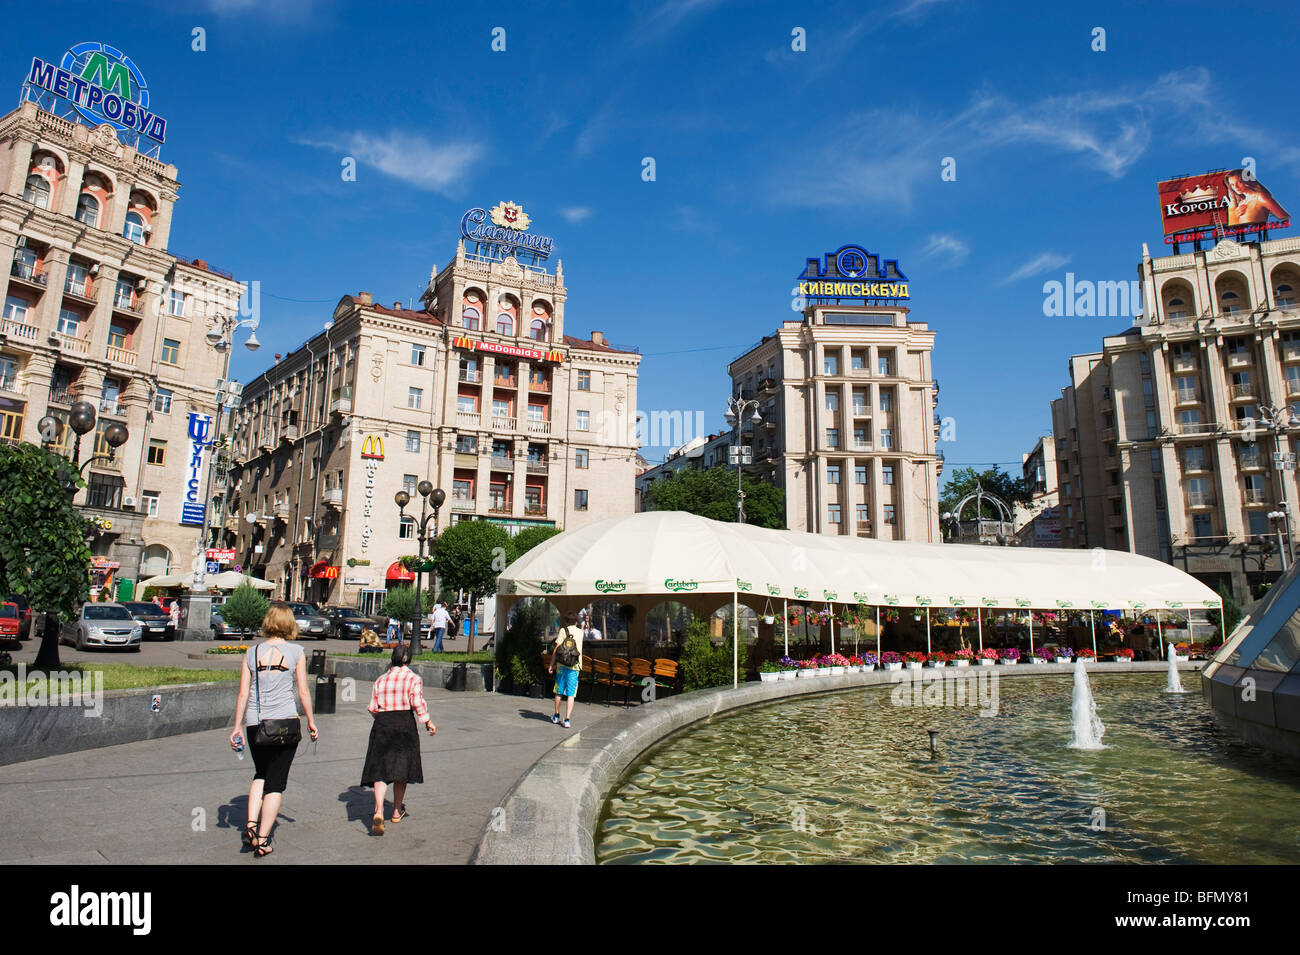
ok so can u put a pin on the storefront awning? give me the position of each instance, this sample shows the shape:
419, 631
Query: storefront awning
397, 572
322, 570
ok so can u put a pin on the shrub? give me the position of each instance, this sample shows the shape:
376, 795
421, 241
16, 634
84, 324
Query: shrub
400, 603
519, 652
245, 608
1232, 613
702, 664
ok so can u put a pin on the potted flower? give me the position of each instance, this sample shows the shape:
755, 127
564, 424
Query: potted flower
1123, 655
987, 657
963, 657
789, 668
769, 671
869, 662
890, 660
855, 664
938, 659
889, 616
1087, 654
837, 664
1009, 656
1064, 654
808, 668
1042, 655
914, 659
1182, 652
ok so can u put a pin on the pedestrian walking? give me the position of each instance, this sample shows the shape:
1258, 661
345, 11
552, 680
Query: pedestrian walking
174, 614
271, 727
393, 756
566, 663
439, 620
394, 630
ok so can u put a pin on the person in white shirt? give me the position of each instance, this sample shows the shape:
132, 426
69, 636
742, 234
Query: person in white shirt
589, 631
439, 620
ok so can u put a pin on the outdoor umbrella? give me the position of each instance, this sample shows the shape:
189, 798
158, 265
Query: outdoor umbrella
229, 580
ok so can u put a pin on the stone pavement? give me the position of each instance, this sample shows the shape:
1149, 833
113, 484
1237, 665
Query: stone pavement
140, 802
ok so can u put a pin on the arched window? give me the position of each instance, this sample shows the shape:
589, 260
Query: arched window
469, 317
537, 330
1231, 302
505, 324
37, 191
134, 228
88, 210
1285, 296
155, 561
1177, 308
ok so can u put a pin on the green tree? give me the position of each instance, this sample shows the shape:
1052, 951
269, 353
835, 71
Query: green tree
1013, 490
469, 556
519, 653
245, 608
702, 664
527, 539
711, 493
43, 551
400, 603
1232, 615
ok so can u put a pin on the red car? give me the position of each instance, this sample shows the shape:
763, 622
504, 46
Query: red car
11, 621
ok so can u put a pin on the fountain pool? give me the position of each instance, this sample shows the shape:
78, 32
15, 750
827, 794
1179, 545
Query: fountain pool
849, 777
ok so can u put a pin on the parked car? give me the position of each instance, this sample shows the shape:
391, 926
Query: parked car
310, 621
155, 622
103, 625
223, 631
348, 622
11, 622
24, 614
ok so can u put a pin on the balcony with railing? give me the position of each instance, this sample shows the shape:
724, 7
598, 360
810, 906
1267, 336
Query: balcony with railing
1291, 351
539, 385
1199, 499
1186, 397
469, 419
1239, 359
112, 406
1197, 427
534, 509
500, 506
539, 426
503, 423
126, 301
29, 275
281, 511
81, 290
1255, 495
341, 400
19, 330
537, 466
1292, 386
505, 381
1183, 363
332, 497
11, 427
1243, 391
470, 376
503, 462
74, 346
122, 356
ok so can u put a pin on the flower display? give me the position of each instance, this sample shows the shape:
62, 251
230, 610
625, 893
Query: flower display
1086, 653
870, 659
810, 664
889, 656
786, 663
1064, 653
1126, 653
1043, 653
1010, 653
769, 666
965, 653
914, 656
988, 653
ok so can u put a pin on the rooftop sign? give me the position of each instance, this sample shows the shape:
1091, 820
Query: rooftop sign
851, 272
98, 84
503, 231
1210, 205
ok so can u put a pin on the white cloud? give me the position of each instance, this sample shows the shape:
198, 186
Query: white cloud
576, 214
1045, 262
953, 250
668, 16
410, 158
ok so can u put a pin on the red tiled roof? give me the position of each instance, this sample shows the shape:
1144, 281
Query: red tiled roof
589, 345
414, 315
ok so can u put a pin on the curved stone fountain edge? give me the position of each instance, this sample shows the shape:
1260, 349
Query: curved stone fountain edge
550, 815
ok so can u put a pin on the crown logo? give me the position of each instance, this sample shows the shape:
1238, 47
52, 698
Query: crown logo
510, 215
1196, 195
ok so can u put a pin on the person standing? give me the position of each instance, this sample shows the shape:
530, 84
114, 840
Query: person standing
270, 672
566, 664
394, 630
589, 631
175, 616
397, 704
440, 620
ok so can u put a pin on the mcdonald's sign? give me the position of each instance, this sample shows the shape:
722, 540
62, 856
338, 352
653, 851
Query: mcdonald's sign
373, 447
512, 351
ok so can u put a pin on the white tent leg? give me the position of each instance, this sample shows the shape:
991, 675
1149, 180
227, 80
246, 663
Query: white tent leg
878, 638
979, 622
1223, 623
1031, 632
785, 623
927, 631
1092, 625
1160, 636
735, 639
832, 625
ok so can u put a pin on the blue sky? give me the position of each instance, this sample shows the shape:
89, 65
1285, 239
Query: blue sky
764, 156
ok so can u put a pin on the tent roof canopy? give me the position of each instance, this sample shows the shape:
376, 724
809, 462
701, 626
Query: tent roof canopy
668, 552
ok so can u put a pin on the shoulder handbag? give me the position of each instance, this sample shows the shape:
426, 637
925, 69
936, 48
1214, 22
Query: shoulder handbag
282, 732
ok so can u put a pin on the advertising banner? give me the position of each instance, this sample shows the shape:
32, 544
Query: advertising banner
1232, 201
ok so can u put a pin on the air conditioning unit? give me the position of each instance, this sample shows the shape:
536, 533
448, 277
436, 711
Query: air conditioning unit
128, 502
22, 242
141, 285
54, 339
94, 269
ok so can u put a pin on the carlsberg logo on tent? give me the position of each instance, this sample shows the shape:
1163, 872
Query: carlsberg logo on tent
681, 584
610, 587
743, 584
547, 587
800, 592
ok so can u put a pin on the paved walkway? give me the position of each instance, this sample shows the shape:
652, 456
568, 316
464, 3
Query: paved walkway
183, 799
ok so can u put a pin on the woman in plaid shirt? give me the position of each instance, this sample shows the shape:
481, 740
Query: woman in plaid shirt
394, 752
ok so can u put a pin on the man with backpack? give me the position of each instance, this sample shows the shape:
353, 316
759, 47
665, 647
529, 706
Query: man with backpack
566, 664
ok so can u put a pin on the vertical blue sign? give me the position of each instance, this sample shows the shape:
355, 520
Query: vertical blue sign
194, 506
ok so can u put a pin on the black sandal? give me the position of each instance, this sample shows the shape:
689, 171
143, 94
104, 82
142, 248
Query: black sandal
250, 833
263, 847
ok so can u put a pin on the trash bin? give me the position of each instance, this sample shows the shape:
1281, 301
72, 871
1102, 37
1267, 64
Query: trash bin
317, 664
325, 689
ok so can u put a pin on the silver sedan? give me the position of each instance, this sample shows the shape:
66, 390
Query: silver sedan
103, 625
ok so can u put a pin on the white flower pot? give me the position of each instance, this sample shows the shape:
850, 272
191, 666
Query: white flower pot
1008, 663
837, 671
961, 663
868, 667
770, 677
937, 664
1123, 659
1038, 659
806, 674
1064, 660
913, 666
986, 662
893, 666
788, 674
1180, 658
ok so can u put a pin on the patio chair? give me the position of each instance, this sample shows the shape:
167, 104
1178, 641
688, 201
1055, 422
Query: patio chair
666, 675
600, 676
642, 670
620, 674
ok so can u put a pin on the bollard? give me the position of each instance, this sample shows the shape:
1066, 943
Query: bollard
325, 693
317, 664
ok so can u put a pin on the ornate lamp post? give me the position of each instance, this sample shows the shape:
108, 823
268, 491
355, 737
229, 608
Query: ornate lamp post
82, 421
428, 495
736, 409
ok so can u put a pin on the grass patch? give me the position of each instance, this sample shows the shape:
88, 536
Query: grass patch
447, 656
124, 676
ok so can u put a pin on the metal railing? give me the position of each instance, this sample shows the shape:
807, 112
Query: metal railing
28, 273
122, 356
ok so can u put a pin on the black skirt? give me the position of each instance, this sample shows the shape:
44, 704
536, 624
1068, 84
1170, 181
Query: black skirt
394, 752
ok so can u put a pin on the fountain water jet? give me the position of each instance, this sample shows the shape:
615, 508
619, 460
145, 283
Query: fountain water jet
1173, 684
1088, 728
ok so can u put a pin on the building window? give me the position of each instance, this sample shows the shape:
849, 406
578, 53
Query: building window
832, 437
886, 401
134, 228
1285, 296
832, 513
889, 514
584, 380
88, 210
860, 438
858, 360
832, 401
864, 515
162, 401
37, 191
887, 439
69, 323
831, 365
413, 441
176, 303
582, 459
1202, 527
417, 355
1249, 455
117, 336
157, 452
584, 421
884, 368
833, 474
579, 499
537, 330
406, 529
469, 317
8, 374
1194, 459
860, 474
104, 491
887, 474
462, 489
536, 412
149, 503
409, 482
1258, 523
501, 450
500, 408
467, 404
467, 444
505, 324
171, 352
414, 397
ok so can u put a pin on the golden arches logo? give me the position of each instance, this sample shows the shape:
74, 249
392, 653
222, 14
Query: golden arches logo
373, 447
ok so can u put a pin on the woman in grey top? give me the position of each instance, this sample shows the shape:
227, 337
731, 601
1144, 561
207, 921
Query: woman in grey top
271, 670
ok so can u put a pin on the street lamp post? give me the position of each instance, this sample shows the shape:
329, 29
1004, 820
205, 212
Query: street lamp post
1271, 418
736, 410
428, 495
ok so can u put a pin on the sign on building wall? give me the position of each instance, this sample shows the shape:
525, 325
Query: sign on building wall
1203, 207
504, 231
851, 273
372, 447
512, 351
97, 84
195, 504
1047, 527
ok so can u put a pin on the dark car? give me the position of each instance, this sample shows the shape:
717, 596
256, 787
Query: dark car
155, 622
348, 622
223, 631
310, 621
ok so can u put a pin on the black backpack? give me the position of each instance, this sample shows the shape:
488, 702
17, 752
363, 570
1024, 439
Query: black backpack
567, 654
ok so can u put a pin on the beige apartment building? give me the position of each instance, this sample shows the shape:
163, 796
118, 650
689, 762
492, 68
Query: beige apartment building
1038, 523
97, 308
847, 397
1166, 438
480, 391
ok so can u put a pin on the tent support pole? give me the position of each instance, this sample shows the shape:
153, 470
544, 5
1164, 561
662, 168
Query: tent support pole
1092, 625
735, 639
832, 625
979, 622
1223, 623
785, 623
927, 631
878, 638
1160, 635
1031, 631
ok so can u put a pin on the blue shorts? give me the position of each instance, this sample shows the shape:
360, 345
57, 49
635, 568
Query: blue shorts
566, 681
